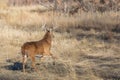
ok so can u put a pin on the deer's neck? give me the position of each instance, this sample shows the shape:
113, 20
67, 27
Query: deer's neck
48, 37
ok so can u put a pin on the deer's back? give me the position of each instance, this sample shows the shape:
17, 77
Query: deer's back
32, 47
37, 47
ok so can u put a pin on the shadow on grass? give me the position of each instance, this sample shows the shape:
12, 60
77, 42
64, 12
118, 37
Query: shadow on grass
57, 68
14, 66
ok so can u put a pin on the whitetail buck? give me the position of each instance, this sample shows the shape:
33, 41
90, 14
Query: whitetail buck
41, 47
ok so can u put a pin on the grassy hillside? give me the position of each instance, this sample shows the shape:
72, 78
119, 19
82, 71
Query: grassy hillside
87, 44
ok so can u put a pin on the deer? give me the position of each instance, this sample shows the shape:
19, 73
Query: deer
33, 48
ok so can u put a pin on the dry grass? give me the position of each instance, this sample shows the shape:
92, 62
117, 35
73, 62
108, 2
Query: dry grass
3, 4
85, 49
35, 16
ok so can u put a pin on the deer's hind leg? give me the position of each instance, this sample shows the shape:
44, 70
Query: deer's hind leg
33, 62
24, 62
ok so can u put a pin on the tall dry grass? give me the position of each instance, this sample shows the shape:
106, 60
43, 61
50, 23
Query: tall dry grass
3, 4
22, 17
80, 44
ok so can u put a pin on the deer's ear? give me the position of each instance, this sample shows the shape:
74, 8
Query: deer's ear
44, 28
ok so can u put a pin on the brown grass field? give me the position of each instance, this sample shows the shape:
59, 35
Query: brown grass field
87, 44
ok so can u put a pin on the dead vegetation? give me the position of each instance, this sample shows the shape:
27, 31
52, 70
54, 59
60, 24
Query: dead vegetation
72, 6
87, 44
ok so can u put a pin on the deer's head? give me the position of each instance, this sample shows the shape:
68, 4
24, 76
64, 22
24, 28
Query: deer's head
48, 30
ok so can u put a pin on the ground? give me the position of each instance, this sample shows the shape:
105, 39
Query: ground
87, 45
